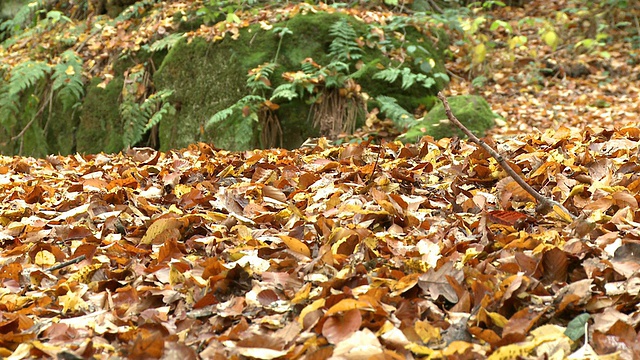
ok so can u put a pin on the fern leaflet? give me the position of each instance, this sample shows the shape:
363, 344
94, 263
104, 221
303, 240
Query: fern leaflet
140, 118
389, 106
344, 46
166, 43
389, 75
22, 77
67, 79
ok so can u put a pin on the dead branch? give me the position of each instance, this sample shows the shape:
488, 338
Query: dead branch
66, 263
545, 204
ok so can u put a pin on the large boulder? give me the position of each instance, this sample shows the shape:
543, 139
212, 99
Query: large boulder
209, 77
473, 112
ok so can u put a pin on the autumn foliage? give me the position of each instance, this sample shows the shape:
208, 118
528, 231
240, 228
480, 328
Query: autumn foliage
353, 251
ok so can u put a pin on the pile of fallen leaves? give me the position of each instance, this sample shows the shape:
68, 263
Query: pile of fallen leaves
355, 251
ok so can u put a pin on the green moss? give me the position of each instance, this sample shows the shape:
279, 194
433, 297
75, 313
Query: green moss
100, 127
472, 111
206, 78
61, 126
143, 56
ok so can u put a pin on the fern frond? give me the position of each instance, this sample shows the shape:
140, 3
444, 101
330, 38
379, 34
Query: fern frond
27, 74
67, 79
235, 111
133, 122
309, 67
21, 78
363, 70
140, 118
136, 10
258, 78
166, 43
389, 106
408, 78
284, 91
24, 18
221, 115
344, 46
251, 100
389, 75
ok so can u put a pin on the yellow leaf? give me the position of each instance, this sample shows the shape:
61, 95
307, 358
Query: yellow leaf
175, 276
158, 227
302, 294
348, 304
84, 275
512, 351
310, 308
426, 331
479, 54
45, 258
517, 41
70, 71
72, 301
296, 245
419, 349
551, 38
498, 319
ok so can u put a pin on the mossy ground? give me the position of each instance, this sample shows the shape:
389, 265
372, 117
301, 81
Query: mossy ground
472, 111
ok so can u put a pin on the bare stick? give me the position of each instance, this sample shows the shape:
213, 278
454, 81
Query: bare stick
544, 204
67, 263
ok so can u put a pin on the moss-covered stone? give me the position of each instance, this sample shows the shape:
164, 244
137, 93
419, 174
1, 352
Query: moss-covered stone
209, 77
60, 127
472, 111
100, 127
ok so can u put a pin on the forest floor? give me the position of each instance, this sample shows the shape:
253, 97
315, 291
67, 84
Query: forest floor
358, 251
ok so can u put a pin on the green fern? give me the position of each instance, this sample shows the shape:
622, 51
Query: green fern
22, 77
236, 111
220, 116
140, 118
408, 77
285, 91
24, 18
258, 78
389, 75
364, 69
344, 46
166, 43
67, 79
389, 106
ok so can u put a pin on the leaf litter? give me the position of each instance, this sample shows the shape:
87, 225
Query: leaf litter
276, 253
355, 251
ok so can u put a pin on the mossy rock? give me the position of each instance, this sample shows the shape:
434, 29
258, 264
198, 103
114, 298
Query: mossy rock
210, 77
52, 132
100, 127
61, 125
473, 112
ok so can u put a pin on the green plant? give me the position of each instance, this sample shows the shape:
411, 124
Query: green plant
31, 88
22, 78
389, 106
140, 112
67, 79
26, 17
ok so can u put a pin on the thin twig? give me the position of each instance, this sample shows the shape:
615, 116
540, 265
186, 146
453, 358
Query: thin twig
66, 263
545, 204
